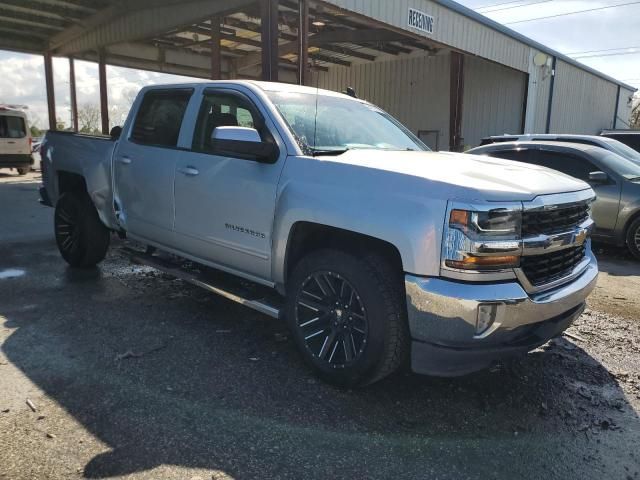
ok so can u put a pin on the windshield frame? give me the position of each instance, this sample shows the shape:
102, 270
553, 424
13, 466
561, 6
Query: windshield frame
318, 150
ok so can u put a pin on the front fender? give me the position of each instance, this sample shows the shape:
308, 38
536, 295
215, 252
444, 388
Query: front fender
400, 216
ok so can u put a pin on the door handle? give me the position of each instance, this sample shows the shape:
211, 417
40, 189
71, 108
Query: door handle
189, 171
124, 160
11, 143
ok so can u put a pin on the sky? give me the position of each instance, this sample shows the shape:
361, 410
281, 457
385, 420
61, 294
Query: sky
599, 36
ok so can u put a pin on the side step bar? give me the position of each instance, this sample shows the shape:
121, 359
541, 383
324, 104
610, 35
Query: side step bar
256, 297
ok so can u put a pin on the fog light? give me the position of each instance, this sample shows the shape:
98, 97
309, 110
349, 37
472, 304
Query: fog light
486, 316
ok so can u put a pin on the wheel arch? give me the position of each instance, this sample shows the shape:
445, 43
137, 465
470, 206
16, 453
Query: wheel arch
306, 237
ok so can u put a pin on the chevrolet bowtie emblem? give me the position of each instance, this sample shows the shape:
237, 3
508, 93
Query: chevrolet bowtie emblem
581, 236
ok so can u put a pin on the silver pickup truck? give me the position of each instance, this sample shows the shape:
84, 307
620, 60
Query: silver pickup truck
322, 209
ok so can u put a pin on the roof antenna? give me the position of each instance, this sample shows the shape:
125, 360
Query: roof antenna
315, 120
351, 92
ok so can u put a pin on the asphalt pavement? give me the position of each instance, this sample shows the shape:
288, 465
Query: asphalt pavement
133, 374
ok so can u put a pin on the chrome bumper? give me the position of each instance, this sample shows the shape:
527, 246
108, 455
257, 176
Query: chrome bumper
443, 313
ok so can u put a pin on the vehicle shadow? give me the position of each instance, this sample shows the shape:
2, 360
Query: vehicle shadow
616, 261
163, 373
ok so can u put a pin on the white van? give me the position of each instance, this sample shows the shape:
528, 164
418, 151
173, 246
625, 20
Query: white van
15, 140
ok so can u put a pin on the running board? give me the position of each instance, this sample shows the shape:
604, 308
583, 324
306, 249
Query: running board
257, 297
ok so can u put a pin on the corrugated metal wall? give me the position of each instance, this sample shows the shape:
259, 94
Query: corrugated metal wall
450, 28
582, 102
413, 89
493, 100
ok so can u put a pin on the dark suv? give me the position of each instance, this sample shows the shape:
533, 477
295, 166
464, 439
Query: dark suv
615, 180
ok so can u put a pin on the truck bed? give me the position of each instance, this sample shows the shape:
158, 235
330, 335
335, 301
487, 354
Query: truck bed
86, 155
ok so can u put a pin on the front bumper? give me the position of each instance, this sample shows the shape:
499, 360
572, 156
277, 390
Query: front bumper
442, 319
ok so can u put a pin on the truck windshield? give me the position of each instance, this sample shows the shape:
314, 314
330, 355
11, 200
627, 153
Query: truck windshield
623, 167
328, 125
623, 150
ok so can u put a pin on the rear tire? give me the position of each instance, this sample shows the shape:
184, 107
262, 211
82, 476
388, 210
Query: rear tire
633, 238
23, 171
81, 237
347, 316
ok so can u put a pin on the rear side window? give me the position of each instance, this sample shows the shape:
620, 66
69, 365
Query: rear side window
12, 127
572, 165
160, 117
517, 155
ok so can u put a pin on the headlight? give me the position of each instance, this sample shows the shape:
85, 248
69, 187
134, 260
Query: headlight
485, 239
498, 222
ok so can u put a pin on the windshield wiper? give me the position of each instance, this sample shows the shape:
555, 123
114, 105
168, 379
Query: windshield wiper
332, 151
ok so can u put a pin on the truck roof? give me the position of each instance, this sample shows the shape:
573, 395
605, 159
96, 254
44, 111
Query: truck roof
265, 86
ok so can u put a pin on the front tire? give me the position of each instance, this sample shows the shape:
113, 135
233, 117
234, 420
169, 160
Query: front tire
633, 238
347, 316
23, 171
81, 237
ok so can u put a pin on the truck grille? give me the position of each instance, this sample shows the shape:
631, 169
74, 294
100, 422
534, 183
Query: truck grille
543, 269
548, 222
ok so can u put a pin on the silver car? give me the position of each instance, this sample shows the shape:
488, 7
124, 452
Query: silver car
610, 144
616, 181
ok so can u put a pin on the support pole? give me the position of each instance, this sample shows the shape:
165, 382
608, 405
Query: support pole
303, 40
216, 58
552, 85
51, 97
269, 24
104, 101
456, 105
72, 95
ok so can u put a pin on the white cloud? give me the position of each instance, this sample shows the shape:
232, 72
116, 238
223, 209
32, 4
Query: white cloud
22, 82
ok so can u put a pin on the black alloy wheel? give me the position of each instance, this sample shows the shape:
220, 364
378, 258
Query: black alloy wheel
332, 319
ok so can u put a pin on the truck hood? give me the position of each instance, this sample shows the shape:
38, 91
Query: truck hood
467, 177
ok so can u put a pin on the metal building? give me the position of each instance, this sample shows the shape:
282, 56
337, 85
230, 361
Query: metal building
450, 74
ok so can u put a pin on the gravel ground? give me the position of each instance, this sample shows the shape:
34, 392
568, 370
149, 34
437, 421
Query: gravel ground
132, 374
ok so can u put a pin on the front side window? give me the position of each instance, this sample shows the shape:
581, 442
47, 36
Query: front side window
160, 117
328, 124
568, 164
222, 110
517, 155
12, 127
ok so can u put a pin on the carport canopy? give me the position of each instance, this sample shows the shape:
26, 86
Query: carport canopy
274, 40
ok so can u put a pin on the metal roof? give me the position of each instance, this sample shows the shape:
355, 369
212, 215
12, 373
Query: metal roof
467, 12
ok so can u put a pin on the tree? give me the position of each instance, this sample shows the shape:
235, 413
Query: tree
89, 118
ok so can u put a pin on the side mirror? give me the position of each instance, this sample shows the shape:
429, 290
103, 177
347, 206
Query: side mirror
242, 142
115, 132
598, 177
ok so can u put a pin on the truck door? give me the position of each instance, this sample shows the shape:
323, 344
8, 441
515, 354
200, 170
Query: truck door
225, 204
144, 166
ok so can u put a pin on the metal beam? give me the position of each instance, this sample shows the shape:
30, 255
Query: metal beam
21, 30
15, 42
325, 38
269, 54
45, 9
32, 17
72, 94
104, 101
303, 42
51, 98
141, 19
456, 95
216, 57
